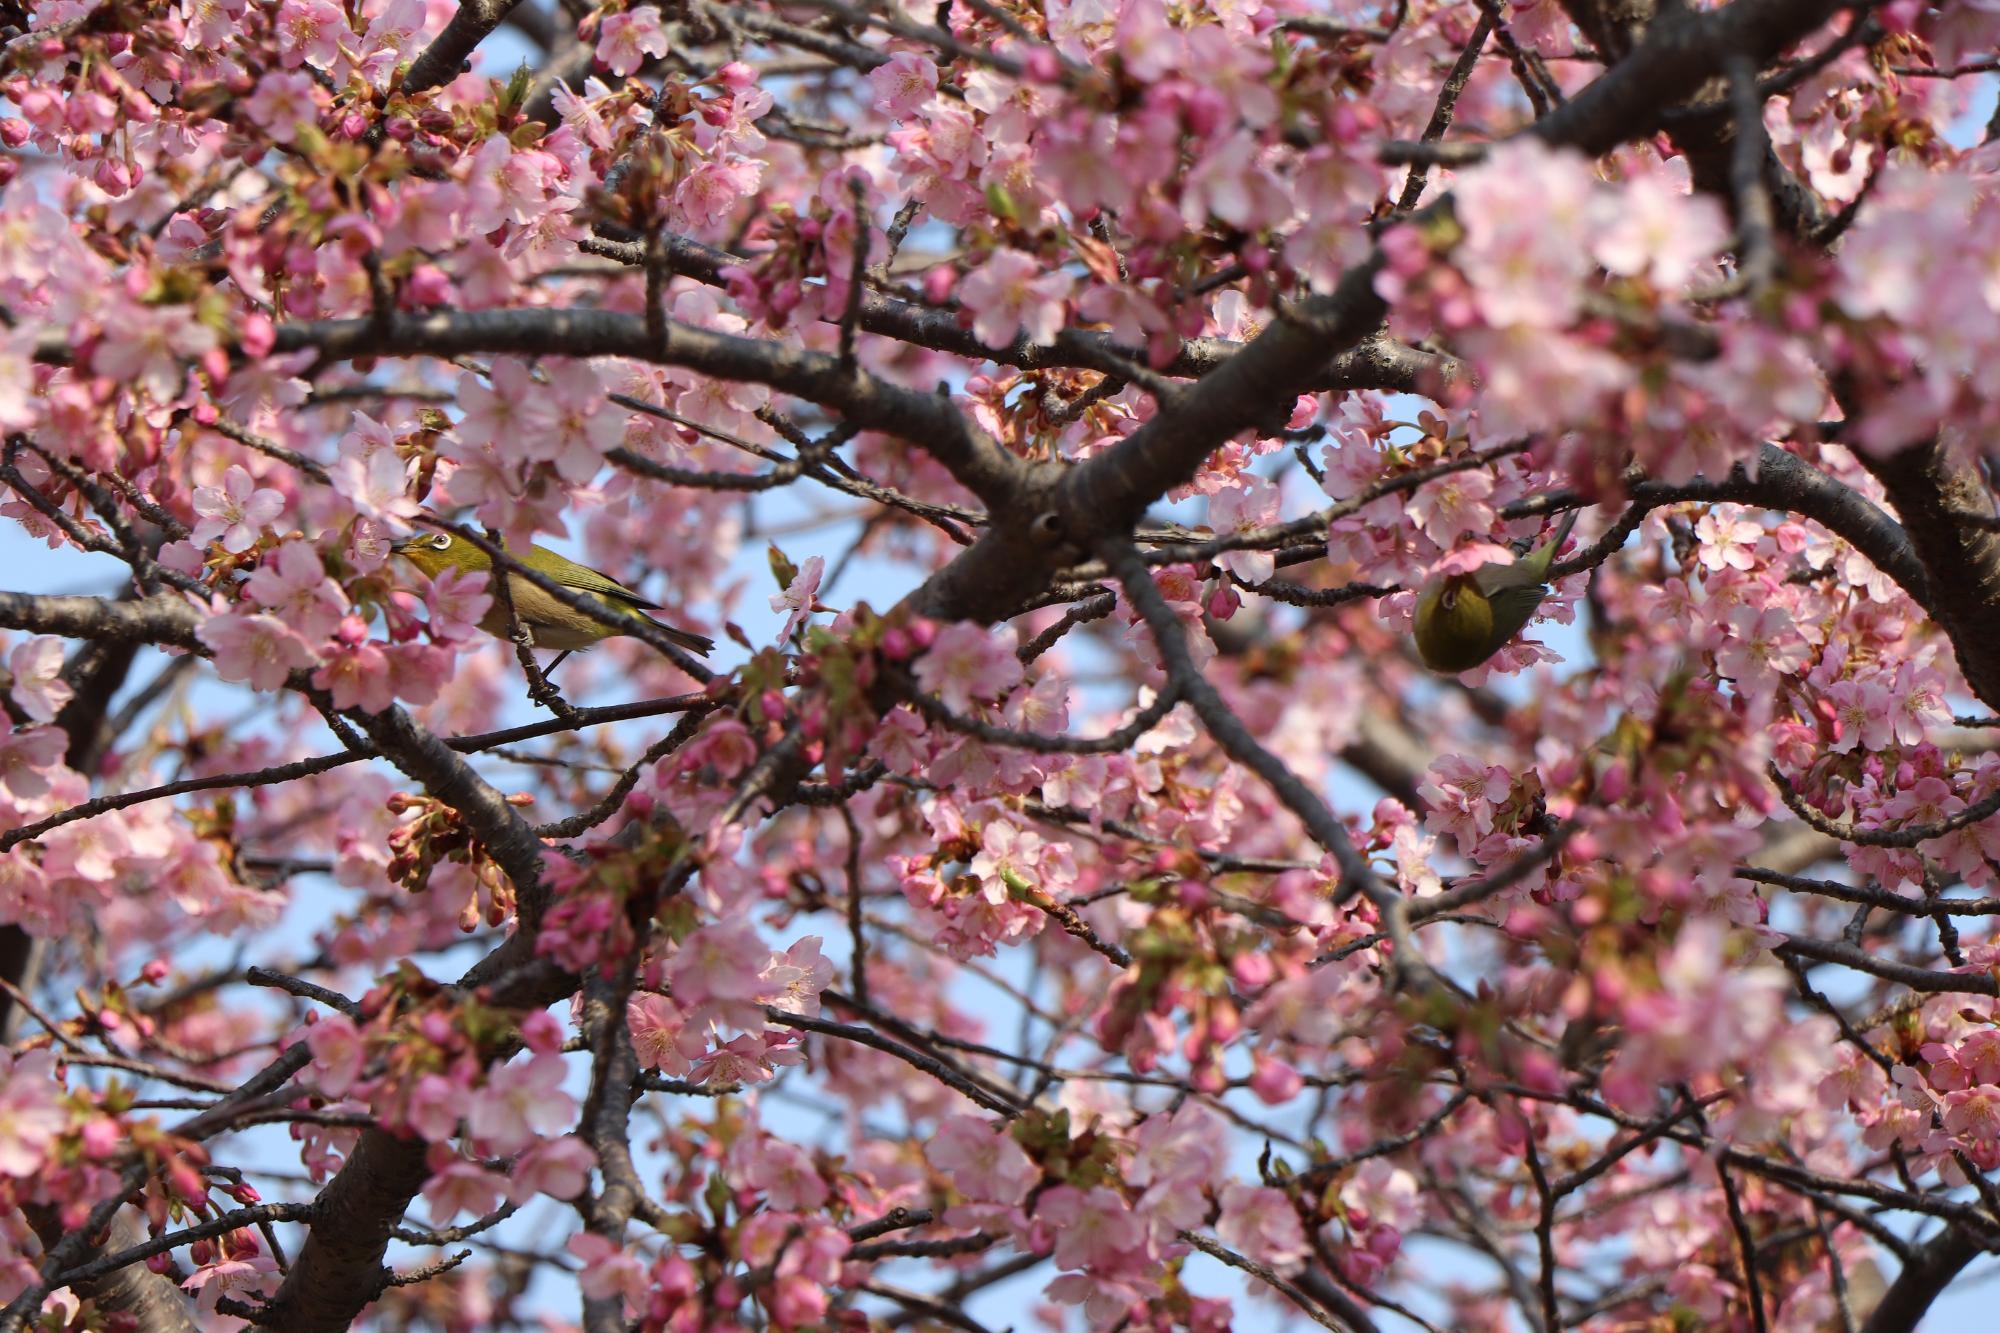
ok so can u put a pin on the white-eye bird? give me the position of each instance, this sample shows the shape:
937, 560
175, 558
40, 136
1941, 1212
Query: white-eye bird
1463, 619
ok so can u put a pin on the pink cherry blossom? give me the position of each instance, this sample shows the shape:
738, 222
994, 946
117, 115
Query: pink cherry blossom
233, 1278
968, 662
625, 40
338, 1053
1259, 1222
462, 1189
1010, 295
151, 349
1528, 213
1093, 1228
559, 1168
1727, 542
784, 1174
521, 1101
310, 32
236, 512
796, 601
376, 484
257, 649
292, 583
1660, 232
31, 1113
283, 103
718, 971
456, 600
982, 1161
28, 758
1247, 508
37, 687
609, 1271
903, 84
355, 671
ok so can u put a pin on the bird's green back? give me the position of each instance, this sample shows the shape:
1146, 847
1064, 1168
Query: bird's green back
1531, 570
438, 552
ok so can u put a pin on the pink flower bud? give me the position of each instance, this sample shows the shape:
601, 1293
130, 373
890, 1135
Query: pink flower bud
1275, 1082
938, 284
1223, 602
112, 176
429, 285
1253, 971
1205, 112
102, 1138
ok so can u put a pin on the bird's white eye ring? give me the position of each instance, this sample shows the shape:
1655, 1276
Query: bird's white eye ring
442, 541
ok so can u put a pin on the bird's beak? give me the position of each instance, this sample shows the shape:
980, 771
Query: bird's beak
398, 547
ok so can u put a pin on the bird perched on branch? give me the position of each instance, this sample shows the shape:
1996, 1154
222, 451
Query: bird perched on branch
550, 624
1463, 619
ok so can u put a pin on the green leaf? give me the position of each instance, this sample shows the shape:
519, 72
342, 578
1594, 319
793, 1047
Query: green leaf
782, 568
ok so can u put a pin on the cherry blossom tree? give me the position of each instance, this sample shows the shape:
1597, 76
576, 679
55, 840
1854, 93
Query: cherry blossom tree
1072, 901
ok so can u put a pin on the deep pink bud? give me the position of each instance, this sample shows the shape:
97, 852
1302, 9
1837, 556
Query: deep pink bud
101, 1138
1274, 1081
428, 286
112, 176
1204, 111
1252, 971
1223, 602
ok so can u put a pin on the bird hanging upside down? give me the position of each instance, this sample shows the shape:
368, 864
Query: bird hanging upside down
1463, 619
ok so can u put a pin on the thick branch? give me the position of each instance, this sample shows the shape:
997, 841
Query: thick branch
164, 618
445, 57
978, 463
130, 1291
1933, 494
1680, 53
1923, 1278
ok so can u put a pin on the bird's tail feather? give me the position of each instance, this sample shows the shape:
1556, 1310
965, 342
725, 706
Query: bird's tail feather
1563, 530
698, 644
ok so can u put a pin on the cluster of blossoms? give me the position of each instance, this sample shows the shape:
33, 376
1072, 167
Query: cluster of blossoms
1044, 902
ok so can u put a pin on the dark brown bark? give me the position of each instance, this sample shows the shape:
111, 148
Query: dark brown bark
1946, 509
1922, 1280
